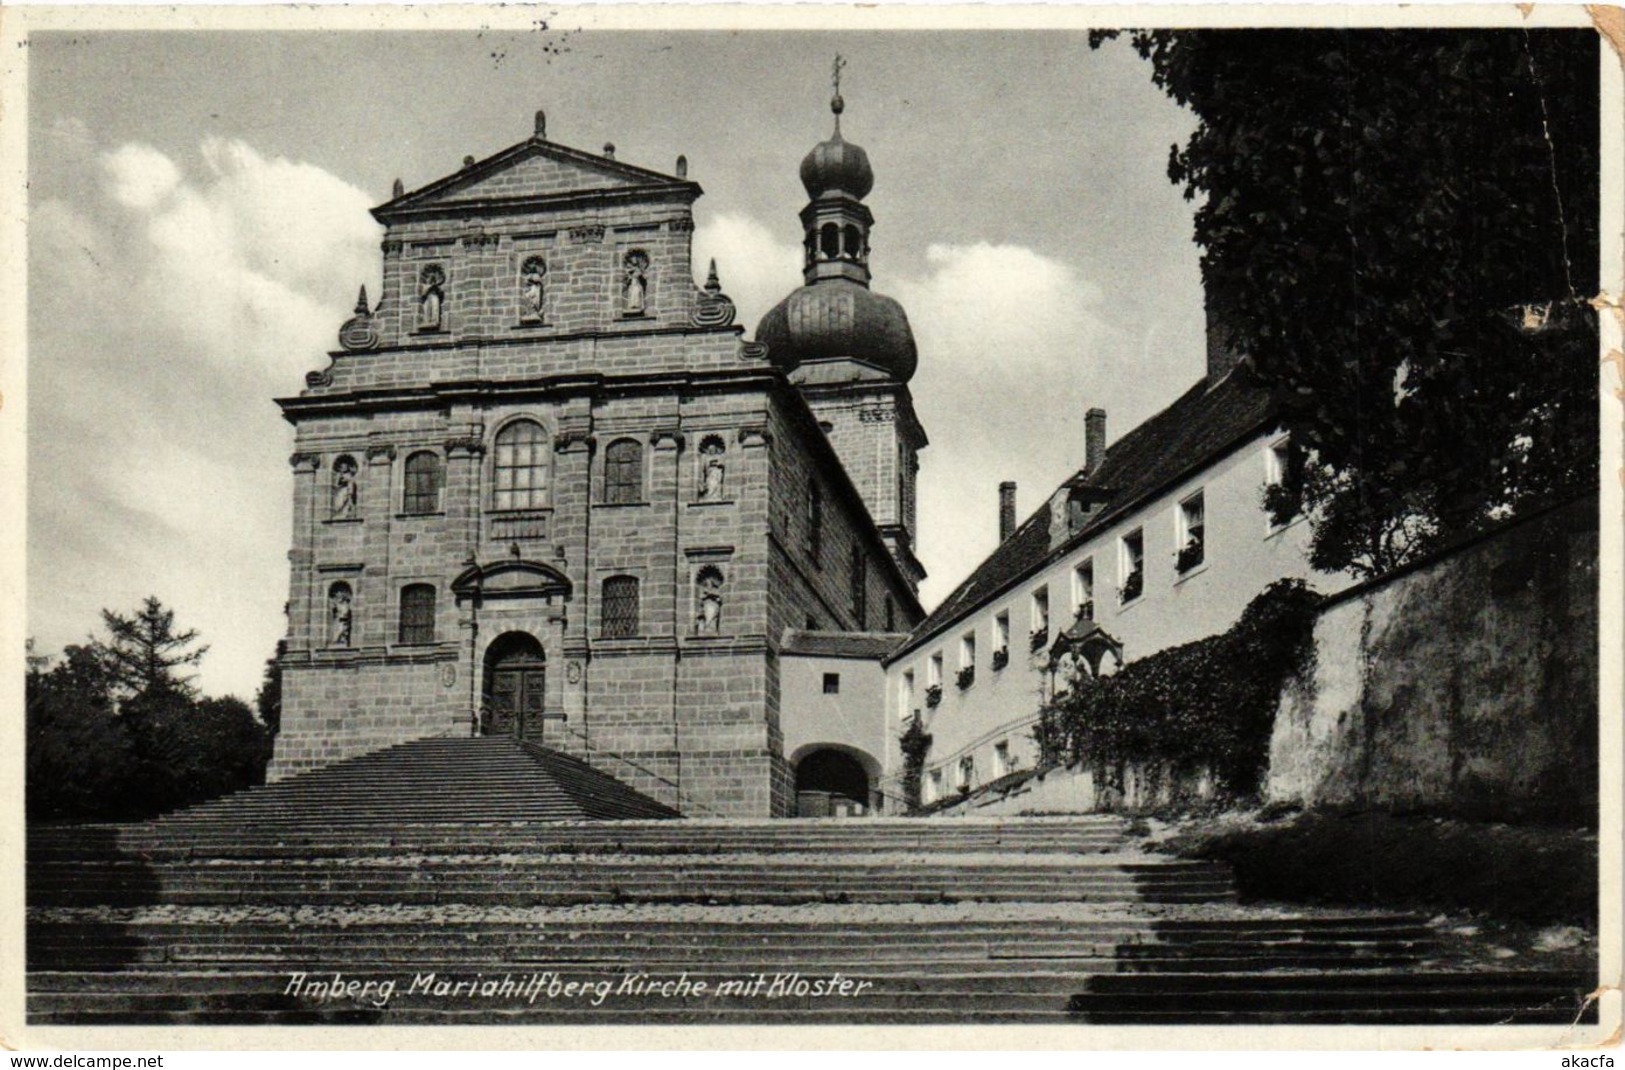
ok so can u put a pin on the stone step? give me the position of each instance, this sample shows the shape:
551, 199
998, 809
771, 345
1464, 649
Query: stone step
673, 893
1120, 928
1435, 998
950, 980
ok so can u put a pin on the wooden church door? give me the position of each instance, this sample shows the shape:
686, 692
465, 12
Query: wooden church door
515, 691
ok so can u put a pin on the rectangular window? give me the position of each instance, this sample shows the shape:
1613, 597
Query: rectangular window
417, 614
1001, 640
1001, 758
1280, 480
1039, 614
620, 607
933, 673
1131, 566
832, 683
1192, 533
967, 772
967, 660
1083, 589
905, 696
933, 786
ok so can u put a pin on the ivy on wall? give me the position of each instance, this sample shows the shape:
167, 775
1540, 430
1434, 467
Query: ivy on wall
915, 742
1208, 705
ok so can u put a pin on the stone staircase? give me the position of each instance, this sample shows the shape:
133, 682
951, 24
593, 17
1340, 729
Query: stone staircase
300, 902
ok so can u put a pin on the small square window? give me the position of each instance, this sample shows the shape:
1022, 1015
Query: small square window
832, 683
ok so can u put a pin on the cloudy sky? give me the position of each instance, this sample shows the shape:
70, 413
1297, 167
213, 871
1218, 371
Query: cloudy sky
199, 226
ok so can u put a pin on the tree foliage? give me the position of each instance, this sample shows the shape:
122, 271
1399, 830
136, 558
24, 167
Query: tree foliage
268, 700
114, 734
1399, 232
1207, 705
915, 742
144, 653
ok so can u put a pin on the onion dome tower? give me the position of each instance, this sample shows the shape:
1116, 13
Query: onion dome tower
850, 350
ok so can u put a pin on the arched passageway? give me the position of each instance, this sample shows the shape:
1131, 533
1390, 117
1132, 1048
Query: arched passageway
831, 783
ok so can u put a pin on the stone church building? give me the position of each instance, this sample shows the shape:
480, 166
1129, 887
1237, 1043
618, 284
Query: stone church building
547, 488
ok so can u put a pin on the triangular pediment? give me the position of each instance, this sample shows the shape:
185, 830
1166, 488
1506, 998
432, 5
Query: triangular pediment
533, 170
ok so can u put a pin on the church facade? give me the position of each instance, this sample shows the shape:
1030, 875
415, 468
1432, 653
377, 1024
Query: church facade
547, 488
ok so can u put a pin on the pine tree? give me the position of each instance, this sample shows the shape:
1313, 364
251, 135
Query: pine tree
144, 651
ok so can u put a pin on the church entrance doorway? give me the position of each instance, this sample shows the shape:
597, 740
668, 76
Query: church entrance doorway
831, 783
515, 687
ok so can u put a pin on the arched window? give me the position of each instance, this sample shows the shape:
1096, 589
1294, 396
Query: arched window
623, 472
520, 466
829, 240
854, 242
620, 607
422, 493
417, 614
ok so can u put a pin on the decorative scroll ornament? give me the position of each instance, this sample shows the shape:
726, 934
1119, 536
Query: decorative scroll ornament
753, 351
360, 331
572, 439
713, 308
321, 378
589, 235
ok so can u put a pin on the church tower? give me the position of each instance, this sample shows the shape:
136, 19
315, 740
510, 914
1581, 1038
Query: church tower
848, 349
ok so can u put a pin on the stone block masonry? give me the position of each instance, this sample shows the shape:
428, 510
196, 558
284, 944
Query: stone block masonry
550, 498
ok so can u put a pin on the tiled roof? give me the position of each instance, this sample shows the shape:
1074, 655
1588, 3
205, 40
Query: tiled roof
840, 644
1188, 435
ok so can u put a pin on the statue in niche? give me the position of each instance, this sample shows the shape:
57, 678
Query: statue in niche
635, 283
338, 611
713, 471
708, 614
345, 488
430, 297
531, 276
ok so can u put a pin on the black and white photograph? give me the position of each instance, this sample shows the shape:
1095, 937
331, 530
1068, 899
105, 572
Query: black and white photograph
1080, 523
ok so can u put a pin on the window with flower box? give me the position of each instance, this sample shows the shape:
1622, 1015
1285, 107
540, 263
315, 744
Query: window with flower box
1131, 566
1192, 534
1083, 589
1039, 614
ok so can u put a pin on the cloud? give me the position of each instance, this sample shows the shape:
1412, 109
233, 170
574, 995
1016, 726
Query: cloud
1009, 341
756, 268
171, 300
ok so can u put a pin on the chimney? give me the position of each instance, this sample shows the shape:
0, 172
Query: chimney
1094, 440
1007, 510
1221, 359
